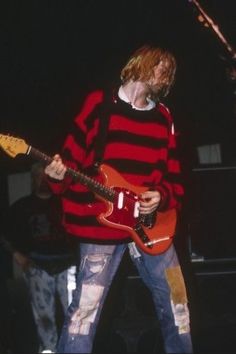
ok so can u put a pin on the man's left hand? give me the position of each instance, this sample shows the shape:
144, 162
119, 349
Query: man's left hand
149, 202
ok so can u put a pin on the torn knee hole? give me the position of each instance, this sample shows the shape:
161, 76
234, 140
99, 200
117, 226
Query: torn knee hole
85, 315
96, 263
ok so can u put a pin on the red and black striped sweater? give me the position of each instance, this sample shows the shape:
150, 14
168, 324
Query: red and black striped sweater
140, 145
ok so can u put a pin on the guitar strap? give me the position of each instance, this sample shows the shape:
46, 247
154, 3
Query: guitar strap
100, 141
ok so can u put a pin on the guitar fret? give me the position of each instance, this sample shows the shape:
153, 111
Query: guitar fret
92, 184
40, 155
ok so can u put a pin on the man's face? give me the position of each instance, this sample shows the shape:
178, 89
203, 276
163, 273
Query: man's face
160, 77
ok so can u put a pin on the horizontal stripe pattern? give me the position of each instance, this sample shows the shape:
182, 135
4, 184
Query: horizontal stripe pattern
140, 145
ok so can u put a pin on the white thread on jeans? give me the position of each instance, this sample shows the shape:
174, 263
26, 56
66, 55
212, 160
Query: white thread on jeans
181, 315
88, 307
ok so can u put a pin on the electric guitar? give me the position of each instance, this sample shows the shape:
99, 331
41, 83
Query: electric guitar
152, 233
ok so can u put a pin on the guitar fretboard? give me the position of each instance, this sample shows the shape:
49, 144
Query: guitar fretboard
92, 184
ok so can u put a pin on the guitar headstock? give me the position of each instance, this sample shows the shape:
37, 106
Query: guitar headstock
13, 146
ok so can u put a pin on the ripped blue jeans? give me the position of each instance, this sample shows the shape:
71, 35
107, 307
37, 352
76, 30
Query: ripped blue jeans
161, 274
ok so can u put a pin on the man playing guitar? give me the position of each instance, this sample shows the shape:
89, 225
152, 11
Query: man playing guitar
139, 150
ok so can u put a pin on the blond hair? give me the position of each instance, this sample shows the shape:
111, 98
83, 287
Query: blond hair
140, 66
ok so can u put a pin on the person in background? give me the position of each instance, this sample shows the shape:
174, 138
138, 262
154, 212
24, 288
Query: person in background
140, 144
42, 250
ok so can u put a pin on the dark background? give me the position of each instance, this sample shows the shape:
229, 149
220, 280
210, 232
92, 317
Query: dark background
53, 52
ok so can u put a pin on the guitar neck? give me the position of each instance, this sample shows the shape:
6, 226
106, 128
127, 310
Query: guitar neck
95, 186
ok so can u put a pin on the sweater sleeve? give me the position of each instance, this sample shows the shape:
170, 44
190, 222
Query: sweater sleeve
76, 142
171, 186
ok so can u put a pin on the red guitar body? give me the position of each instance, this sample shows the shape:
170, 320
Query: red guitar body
121, 199
160, 234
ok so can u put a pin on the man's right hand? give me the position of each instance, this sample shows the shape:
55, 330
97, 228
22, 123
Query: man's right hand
56, 169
